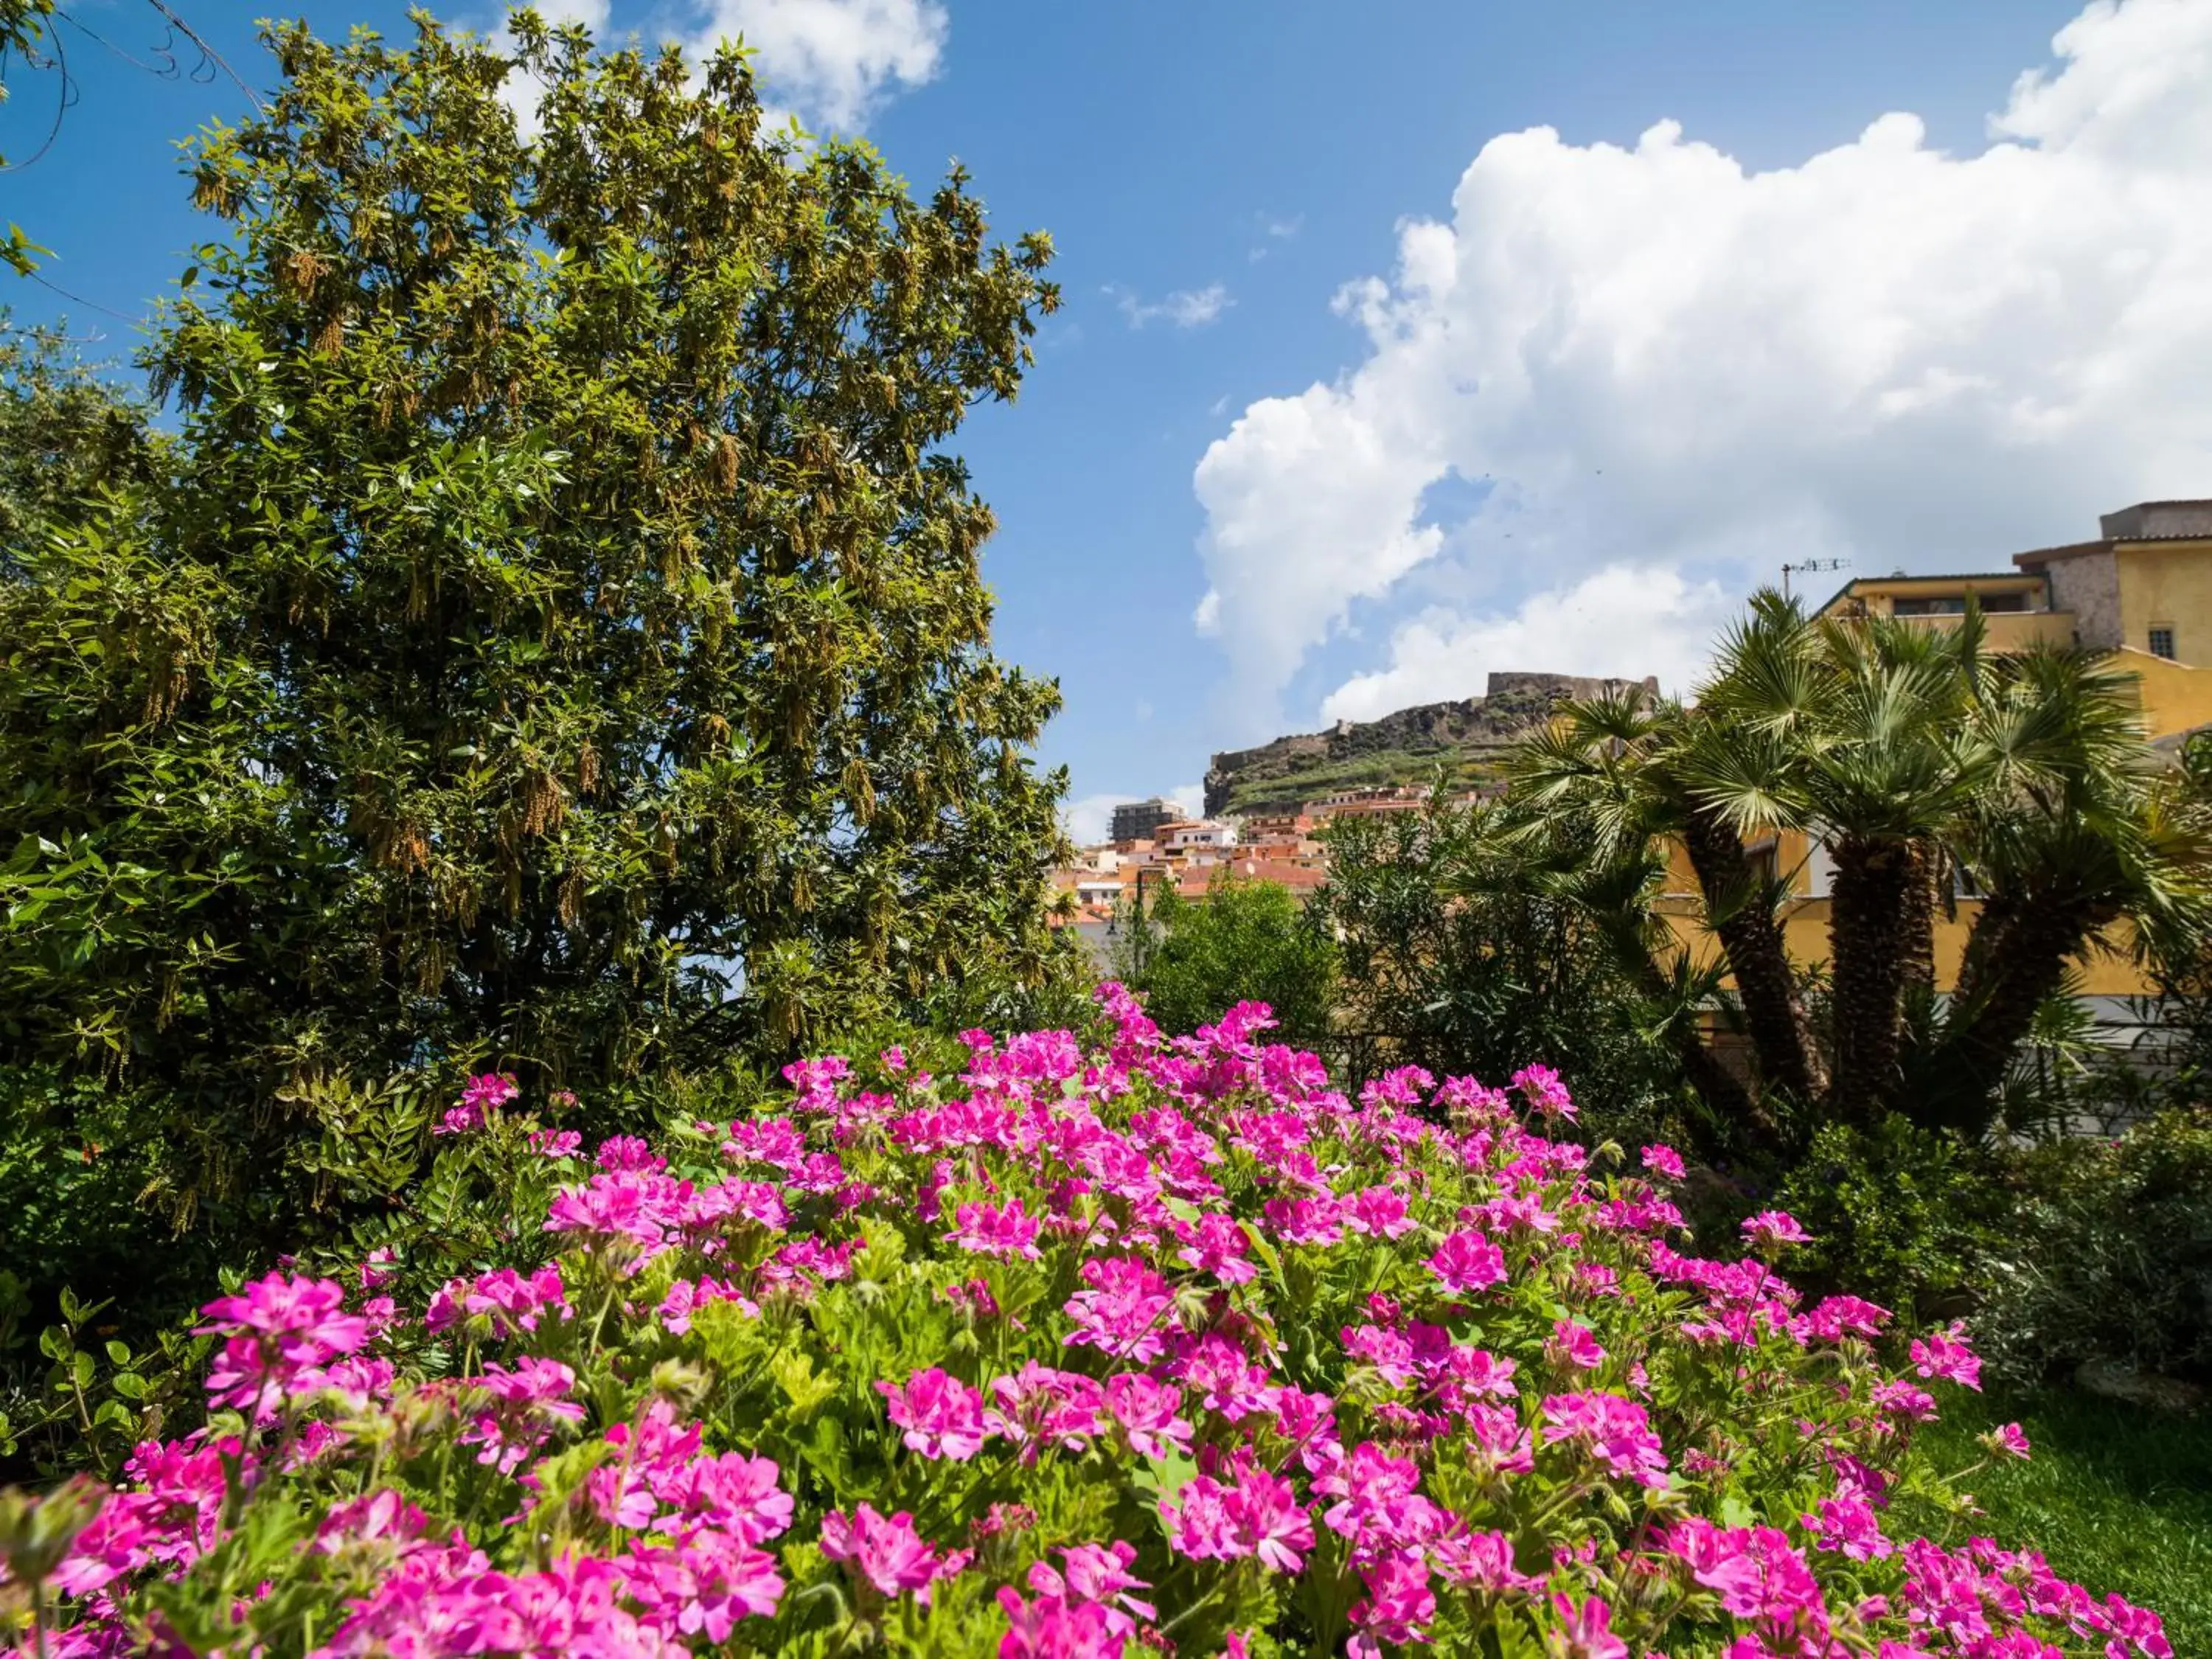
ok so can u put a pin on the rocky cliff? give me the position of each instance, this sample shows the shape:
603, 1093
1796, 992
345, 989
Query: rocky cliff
1466, 739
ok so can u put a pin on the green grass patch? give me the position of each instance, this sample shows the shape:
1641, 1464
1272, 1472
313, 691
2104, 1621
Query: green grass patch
2117, 1496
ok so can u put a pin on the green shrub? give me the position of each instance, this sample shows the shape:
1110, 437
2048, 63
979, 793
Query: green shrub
1898, 1212
2107, 1253
555, 635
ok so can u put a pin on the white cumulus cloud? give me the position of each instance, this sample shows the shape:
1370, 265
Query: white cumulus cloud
831, 62
1653, 356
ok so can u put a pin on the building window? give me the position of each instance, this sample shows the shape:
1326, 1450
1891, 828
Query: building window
2161, 641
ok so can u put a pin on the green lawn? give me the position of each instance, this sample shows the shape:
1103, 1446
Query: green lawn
2117, 1496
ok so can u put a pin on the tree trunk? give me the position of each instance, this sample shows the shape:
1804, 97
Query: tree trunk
1749, 931
2016, 959
1919, 940
1867, 951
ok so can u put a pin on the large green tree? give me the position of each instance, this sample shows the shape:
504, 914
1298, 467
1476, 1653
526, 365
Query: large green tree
555, 636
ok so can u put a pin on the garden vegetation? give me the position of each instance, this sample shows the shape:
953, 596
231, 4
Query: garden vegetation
530, 691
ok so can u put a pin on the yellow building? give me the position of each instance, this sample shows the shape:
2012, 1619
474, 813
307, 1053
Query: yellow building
2141, 591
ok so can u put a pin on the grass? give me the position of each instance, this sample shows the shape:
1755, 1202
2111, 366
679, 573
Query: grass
2117, 1496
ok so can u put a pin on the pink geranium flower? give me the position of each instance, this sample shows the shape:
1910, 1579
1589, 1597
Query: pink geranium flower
943, 1417
1540, 1087
887, 1550
1945, 1354
1586, 1632
1770, 1229
1468, 1261
281, 1333
1003, 1229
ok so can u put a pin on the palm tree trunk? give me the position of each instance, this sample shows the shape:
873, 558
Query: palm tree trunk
1867, 951
2016, 959
1919, 968
1759, 956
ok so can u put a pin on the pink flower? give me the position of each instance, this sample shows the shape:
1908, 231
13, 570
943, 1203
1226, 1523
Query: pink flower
1944, 1353
1051, 1628
504, 1298
1586, 1632
556, 1143
992, 1231
943, 1417
2132, 1624
282, 1333
1261, 1517
1038, 1406
1121, 1312
1613, 1431
1270, 1522
1466, 1261
1663, 1160
1848, 1524
1399, 1602
1574, 1345
1770, 1229
1305, 1220
1838, 1316
1380, 1211
887, 1550
2009, 1441
1216, 1245
1540, 1087
1902, 1399
1146, 1410
1479, 1560
482, 1096
1098, 1574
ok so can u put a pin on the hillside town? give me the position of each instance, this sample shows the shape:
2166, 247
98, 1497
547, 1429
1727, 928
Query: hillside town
1151, 848
2140, 591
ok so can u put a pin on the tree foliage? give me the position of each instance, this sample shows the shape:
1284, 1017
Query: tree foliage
1464, 953
1246, 941
68, 433
556, 635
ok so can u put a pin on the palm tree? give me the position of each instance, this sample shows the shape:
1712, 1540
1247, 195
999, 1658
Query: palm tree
1608, 764
1850, 730
1913, 758
2075, 824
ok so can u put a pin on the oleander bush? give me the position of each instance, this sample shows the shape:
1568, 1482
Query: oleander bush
1106, 1342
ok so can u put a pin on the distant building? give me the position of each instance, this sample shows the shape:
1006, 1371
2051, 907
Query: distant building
1277, 826
1300, 879
1187, 836
1136, 820
2141, 591
1368, 803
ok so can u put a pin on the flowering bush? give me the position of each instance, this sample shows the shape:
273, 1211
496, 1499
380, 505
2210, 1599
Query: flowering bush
1150, 1344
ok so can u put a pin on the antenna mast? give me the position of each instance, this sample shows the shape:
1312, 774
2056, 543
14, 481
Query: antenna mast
1809, 566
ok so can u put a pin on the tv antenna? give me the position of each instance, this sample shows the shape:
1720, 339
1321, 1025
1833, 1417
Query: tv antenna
1809, 566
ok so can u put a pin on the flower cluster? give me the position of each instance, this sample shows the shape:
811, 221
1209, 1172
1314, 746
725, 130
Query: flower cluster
1096, 1343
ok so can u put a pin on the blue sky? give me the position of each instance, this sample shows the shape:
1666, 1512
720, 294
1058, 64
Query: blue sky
1367, 385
